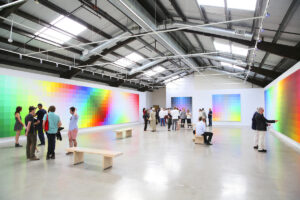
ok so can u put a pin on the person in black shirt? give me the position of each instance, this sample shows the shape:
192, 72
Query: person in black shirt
31, 134
169, 120
40, 114
146, 118
261, 127
210, 117
255, 131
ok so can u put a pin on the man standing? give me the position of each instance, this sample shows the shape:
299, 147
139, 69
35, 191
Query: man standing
31, 134
40, 114
162, 117
175, 115
254, 129
201, 130
261, 127
210, 117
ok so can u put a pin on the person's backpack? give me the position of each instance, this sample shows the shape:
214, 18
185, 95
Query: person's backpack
47, 124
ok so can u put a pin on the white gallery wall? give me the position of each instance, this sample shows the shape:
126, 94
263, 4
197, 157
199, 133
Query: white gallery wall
201, 88
143, 96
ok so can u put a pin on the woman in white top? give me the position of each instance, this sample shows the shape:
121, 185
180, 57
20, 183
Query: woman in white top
189, 118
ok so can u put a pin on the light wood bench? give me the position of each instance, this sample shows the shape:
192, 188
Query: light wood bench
199, 140
107, 155
127, 131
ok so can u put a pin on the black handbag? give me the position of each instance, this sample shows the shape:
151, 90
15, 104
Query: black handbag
58, 134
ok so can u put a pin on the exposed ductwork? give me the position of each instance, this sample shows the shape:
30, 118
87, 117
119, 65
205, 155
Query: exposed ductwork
11, 4
238, 33
146, 66
228, 60
101, 47
137, 13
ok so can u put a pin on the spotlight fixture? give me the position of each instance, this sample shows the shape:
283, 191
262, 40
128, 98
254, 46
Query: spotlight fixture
56, 64
41, 61
36, 1
20, 55
70, 67
93, 73
10, 40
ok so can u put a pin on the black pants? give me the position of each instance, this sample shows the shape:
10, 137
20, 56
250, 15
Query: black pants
182, 123
189, 122
31, 144
209, 121
146, 123
41, 133
169, 125
51, 144
209, 135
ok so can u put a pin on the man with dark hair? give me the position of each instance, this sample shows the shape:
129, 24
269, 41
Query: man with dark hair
201, 130
40, 114
210, 113
31, 134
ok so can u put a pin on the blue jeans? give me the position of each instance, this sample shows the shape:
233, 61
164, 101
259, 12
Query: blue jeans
162, 121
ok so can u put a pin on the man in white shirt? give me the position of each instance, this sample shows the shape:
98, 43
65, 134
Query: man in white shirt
201, 130
175, 115
162, 117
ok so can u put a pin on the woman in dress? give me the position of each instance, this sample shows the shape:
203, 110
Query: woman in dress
18, 125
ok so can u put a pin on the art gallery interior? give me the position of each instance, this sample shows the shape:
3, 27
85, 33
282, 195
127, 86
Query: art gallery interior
139, 75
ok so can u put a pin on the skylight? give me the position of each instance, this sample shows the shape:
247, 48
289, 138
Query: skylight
135, 57
239, 50
159, 69
223, 46
123, 62
231, 4
150, 73
63, 23
171, 79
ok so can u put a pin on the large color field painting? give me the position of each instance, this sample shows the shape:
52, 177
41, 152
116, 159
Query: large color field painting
282, 102
96, 107
182, 102
226, 107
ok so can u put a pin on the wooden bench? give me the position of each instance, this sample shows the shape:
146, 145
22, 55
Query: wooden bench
107, 155
199, 140
127, 131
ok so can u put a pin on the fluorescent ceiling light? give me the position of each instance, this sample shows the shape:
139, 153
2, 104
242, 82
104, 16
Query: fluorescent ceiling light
231, 4
175, 77
150, 73
123, 62
135, 57
231, 65
159, 69
237, 67
63, 23
242, 5
216, 3
222, 46
239, 50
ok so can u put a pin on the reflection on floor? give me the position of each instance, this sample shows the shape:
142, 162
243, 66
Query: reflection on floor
161, 165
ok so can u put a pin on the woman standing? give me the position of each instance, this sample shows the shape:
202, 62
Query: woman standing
182, 117
18, 125
169, 120
73, 128
153, 120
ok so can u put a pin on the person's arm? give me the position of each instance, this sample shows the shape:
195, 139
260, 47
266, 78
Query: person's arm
269, 121
28, 128
37, 122
59, 123
44, 121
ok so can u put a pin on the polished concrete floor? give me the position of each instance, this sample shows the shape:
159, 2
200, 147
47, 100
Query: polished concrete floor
161, 165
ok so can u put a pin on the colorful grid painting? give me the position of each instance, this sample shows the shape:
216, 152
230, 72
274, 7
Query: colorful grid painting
96, 107
182, 102
282, 102
226, 107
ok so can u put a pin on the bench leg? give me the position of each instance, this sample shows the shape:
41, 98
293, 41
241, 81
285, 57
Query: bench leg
199, 140
119, 135
78, 157
128, 133
107, 162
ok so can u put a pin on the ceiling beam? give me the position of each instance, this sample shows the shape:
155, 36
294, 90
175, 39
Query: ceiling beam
277, 49
9, 10
286, 19
227, 15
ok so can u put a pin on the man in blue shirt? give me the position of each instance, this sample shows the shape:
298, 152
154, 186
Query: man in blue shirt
54, 124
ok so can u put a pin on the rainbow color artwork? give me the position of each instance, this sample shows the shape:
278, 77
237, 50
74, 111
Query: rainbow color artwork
95, 107
182, 102
282, 103
226, 107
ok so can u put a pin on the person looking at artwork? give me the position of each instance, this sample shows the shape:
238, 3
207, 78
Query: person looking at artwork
253, 126
169, 118
40, 114
189, 118
201, 130
204, 114
18, 125
157, 115
162, 117
146, 118
54, 123
73, 128
261, 127
31, 134
153, 120
210, 113
175, 116
183, 117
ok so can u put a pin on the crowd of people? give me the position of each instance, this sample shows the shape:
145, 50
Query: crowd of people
41, 122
